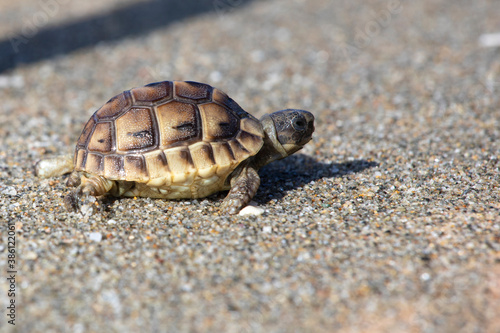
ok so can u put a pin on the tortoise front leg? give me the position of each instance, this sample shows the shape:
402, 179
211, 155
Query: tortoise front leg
83, 197
243, 188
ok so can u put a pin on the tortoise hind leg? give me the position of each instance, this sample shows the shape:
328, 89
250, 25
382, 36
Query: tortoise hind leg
83, 197
243, 188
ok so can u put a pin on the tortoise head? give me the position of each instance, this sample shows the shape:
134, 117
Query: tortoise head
287, 131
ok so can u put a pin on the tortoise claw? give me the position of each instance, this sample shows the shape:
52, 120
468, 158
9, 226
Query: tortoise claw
71, 203
79, 201
231, 206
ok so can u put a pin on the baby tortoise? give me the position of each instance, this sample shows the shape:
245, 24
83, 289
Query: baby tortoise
177, 140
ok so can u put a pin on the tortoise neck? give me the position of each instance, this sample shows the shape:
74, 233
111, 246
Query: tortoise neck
272, 149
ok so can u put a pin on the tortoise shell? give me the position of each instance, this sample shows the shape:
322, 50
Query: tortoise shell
169, 134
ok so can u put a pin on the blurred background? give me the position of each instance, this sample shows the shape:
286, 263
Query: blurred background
411, 87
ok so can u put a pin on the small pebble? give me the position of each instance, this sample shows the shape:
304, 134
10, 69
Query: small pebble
95, 236
10, 191
425, 277
267, 229
251, 209
30, 255
490, 40
14, 81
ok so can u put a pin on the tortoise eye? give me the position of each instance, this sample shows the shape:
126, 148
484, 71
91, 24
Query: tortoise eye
299, 124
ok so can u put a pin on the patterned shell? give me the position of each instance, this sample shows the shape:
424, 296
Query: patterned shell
168, 133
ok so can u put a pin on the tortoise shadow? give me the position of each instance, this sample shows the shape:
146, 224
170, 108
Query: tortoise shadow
295, 171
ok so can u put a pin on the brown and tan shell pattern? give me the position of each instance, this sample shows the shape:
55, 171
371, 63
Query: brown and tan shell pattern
169, 134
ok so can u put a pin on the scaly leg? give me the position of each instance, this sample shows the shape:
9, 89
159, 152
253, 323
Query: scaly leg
243, 188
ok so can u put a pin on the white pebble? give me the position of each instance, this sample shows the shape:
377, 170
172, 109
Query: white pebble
15, 81
30, 255
10, 190
425, 277
215, 76
267, 229
86, 210
95, 236
489, 40
251, 210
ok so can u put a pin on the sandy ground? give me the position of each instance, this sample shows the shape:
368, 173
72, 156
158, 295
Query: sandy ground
388, 221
